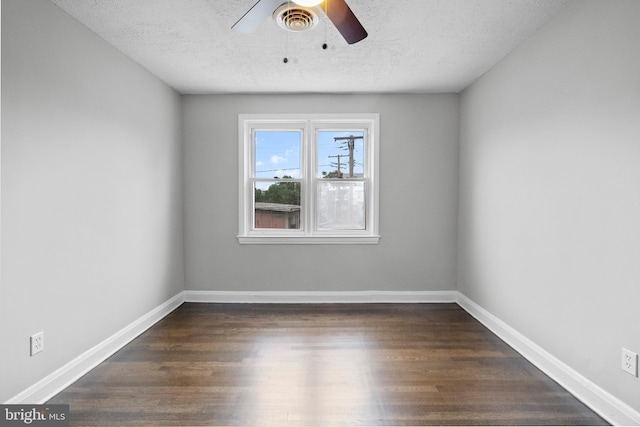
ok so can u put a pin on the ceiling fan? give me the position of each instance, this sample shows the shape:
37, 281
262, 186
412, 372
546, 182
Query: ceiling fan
299, 15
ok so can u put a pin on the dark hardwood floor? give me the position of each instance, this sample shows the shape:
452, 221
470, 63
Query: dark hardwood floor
320, 365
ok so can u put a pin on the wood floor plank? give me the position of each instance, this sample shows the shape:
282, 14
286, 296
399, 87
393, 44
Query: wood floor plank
319, 365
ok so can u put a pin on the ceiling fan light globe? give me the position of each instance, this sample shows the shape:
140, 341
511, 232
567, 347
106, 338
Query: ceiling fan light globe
308, 3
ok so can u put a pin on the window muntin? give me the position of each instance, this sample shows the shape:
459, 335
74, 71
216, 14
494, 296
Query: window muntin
308, 178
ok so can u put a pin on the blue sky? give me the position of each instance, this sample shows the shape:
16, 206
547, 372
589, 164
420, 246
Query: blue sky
278, 153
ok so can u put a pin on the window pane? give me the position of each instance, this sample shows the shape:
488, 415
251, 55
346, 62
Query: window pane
340, 154
277, 154
277, 205
341, 205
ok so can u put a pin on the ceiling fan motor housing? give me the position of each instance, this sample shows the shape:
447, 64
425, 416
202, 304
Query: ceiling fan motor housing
292, 17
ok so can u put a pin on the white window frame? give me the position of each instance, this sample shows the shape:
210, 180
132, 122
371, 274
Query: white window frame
309, 124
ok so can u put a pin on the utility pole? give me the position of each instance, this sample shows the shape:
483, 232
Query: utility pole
339, 165
351, 143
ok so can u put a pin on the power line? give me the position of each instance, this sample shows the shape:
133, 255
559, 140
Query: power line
338, 164
278, 170
351, 144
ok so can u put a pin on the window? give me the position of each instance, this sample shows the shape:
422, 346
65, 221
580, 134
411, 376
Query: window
308, 179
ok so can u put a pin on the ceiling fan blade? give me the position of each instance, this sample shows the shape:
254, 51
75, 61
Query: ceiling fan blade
345, 21
256, 15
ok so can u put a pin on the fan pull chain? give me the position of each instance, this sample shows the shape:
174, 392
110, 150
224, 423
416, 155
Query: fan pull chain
286, 40
286, 48
326, 25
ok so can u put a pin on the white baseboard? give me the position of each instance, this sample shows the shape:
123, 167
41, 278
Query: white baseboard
57, 381
603, 403
321, 297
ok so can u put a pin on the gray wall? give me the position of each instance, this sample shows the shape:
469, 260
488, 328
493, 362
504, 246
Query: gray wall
549, 236
91, 191
418, 181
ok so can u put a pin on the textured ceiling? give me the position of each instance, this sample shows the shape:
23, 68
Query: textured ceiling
413, 45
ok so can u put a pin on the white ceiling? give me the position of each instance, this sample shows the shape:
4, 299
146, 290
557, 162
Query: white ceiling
413, 45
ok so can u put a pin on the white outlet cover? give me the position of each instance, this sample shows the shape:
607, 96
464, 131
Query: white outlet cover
630, 362
37, 343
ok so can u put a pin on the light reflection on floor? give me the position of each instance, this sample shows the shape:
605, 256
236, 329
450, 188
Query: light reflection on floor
321, 380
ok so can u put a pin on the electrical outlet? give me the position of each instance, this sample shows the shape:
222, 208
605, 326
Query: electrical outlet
630, 362
37, 343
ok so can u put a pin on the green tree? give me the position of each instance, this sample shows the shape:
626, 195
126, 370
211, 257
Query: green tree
287, 193
334, 174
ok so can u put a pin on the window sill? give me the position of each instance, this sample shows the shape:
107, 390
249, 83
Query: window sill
308, 240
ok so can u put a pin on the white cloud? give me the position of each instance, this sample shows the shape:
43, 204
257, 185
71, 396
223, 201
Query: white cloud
277, 159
